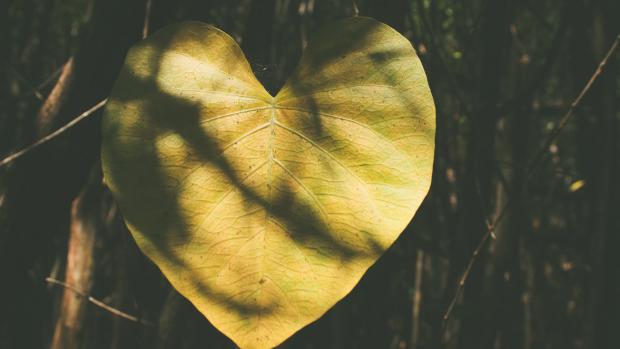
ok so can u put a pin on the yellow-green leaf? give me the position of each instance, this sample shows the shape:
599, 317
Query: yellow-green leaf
576, 185
265, 211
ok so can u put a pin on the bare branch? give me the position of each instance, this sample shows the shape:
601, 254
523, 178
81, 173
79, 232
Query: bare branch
52, 77
147, 19
34, 90
356, 10
99, 303
52, 135
571, 110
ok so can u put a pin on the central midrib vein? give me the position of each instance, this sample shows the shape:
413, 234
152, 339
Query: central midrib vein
272, 125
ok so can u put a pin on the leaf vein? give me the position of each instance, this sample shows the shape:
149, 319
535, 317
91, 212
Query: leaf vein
232, 114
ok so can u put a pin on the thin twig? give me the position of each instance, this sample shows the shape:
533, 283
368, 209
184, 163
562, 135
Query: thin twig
356, 10
51, 78
535, 161
490, 232
571, 110
52, 135
37, 89
147, 19
34, 90
99, 303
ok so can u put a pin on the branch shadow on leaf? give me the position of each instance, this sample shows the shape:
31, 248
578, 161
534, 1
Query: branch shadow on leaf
169, 114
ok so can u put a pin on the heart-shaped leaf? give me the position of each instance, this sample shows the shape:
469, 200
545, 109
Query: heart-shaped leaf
265, 211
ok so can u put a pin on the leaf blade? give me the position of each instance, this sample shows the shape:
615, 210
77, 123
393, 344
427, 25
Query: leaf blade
265, 211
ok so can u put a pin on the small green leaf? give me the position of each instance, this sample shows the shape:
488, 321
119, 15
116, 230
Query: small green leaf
265, 211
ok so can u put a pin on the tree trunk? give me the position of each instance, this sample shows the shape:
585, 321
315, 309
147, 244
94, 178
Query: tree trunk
86, 223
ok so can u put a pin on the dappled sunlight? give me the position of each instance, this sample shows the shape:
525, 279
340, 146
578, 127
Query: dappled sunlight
265, 211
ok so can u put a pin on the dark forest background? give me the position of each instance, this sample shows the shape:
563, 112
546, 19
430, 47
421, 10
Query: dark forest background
540, 194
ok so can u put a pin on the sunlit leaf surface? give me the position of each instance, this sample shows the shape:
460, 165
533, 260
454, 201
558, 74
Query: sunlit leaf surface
265, 211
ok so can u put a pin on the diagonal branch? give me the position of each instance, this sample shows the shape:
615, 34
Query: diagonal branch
52, 135
99, 303
536, 160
